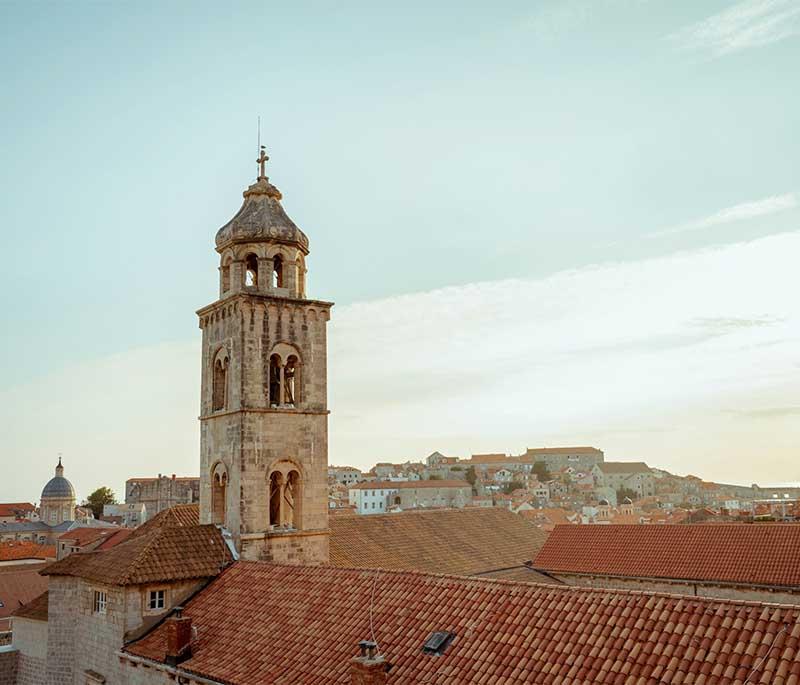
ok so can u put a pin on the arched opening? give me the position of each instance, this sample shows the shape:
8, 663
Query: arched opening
274, 380
277, 271
275, 497
251, 270
301, 277
219, 389
226, 275
397, 501
219, 487
291, 500
291, 381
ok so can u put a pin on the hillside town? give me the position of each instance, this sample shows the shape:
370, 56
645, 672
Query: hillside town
273, 566
554, 486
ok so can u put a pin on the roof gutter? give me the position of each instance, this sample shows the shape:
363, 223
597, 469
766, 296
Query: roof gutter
691, 581
181, 676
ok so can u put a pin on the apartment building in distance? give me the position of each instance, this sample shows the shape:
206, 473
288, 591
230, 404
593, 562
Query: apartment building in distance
381, 496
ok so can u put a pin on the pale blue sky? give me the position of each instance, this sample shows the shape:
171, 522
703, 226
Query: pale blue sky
419, 145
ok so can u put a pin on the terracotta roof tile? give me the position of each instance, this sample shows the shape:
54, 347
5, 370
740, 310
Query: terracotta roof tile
115, 538
17, 588
35, 609
8, 509
13, 551
178, 515
162, 553
263, 623
81, 537
459, 541
751, 554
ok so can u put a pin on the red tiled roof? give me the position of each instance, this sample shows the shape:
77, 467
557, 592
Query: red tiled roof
264, 623
8, 509
410, 484
163, 553
459, 541
18, 587
179, 515
35, 609
80, 537
116, 538
750, 554
13, 551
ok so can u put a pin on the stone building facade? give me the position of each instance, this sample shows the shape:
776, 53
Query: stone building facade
264, 412
157, 494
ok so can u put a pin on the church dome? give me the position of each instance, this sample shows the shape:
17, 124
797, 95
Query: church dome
58, 486
261, 218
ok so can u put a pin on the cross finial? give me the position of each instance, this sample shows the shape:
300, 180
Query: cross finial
262, 160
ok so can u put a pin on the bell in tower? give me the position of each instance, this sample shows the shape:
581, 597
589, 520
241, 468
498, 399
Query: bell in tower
264, 414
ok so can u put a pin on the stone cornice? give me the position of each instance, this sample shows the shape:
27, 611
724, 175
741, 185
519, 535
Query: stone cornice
265, 410
261, 297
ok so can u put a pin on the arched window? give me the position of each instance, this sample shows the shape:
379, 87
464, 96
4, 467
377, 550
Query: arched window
277, 271
275, 498
219, 488
292, 500
220, 384
251, 270
274, 380
291, 381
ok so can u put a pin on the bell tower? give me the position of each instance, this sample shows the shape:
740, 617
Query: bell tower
264, 410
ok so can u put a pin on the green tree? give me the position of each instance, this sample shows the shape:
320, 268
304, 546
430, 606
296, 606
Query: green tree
471, 476
622, 493
541, 471
434, 476
100, 497
508, 488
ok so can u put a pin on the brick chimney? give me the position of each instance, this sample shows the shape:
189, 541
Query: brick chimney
370, 668
179, 637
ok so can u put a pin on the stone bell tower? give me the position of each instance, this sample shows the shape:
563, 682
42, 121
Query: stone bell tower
264, 410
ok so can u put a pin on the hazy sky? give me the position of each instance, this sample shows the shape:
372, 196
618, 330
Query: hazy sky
542, 223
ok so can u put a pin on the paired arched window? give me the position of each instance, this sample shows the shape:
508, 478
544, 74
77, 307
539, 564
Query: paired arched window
219, 390
226, 275
219, 489
285, 381
251, 270
285, 496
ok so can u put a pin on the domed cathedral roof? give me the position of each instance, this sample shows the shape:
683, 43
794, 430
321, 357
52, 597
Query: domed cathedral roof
261, 217
58, 486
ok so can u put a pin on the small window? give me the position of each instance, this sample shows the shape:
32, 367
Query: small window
156, 600
100, 602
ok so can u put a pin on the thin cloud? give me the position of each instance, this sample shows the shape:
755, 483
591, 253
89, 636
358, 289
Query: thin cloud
749, 24
742, 212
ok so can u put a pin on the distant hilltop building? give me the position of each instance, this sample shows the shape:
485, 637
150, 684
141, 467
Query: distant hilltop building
58, 514
161, 493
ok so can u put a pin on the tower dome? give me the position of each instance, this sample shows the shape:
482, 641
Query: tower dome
262, 251
58, 499
58, 486
261, 217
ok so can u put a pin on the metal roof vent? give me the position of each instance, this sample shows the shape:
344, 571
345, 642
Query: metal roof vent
438, 642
